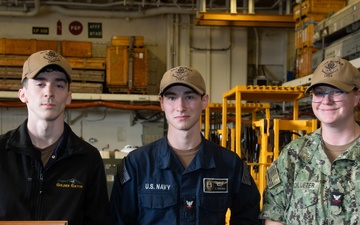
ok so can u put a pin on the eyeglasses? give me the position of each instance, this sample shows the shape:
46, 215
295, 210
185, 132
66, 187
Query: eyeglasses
334, 96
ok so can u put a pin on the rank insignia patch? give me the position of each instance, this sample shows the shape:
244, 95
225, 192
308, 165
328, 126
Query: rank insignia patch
337, 198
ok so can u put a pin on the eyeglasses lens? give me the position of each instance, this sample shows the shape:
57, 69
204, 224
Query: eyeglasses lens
334, 96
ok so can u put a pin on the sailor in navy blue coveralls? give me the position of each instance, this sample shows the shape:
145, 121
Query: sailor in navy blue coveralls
162, 183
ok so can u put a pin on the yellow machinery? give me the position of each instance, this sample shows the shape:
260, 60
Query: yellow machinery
252, 108
264, 94
268, 140
250, 99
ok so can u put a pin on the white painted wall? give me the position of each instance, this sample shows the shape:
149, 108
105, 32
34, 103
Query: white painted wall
219, 53
171, 40
111, 128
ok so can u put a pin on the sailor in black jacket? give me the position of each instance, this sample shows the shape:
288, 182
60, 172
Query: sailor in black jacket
46, 171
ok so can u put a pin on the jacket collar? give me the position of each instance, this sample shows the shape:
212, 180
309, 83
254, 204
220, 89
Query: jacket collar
19, 141
313, 152
204, 158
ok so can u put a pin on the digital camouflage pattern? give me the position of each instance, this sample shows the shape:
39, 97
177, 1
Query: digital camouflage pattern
304, 187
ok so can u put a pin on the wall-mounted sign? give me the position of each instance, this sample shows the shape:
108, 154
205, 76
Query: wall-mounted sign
75, 28
40, 30
95, 30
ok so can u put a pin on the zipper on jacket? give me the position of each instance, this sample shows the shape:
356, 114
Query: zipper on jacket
40, 191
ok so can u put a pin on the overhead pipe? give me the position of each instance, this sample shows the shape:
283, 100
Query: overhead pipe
202, 5
98, 13
251, 7
88, 104
170, 42
281, 5
176, 42
245, 5
112, 14
59, 7
131, 62
233, 6
257, 52
117, 3
24, 12
114, 105
288, 7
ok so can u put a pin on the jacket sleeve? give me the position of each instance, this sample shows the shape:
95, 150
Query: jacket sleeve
274, 195
280, 179
97, 208
245, 209
123, 201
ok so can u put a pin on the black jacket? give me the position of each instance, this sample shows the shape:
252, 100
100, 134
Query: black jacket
72, 186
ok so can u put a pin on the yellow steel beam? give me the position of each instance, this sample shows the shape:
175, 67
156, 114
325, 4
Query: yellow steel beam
244, 20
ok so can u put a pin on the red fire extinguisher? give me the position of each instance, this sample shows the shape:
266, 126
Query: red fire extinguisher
59, 28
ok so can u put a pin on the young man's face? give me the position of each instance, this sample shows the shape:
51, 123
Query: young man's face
183, 107
46, 95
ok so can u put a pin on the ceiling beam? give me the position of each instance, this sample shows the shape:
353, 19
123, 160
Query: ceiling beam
244, 20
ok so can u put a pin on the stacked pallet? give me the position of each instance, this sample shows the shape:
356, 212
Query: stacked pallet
339, 35
127, 68
307, 16
88, 72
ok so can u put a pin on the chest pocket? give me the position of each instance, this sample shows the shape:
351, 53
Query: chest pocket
303, 203
306, 195
157, 201
215, 203
213, 209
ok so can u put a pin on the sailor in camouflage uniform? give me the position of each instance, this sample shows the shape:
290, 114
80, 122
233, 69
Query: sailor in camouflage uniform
316, 179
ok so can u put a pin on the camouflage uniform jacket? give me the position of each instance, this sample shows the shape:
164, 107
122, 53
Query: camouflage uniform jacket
304, 187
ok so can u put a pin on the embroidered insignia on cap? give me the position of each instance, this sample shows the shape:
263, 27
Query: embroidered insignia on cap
181, 73
52, 56
330, 68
